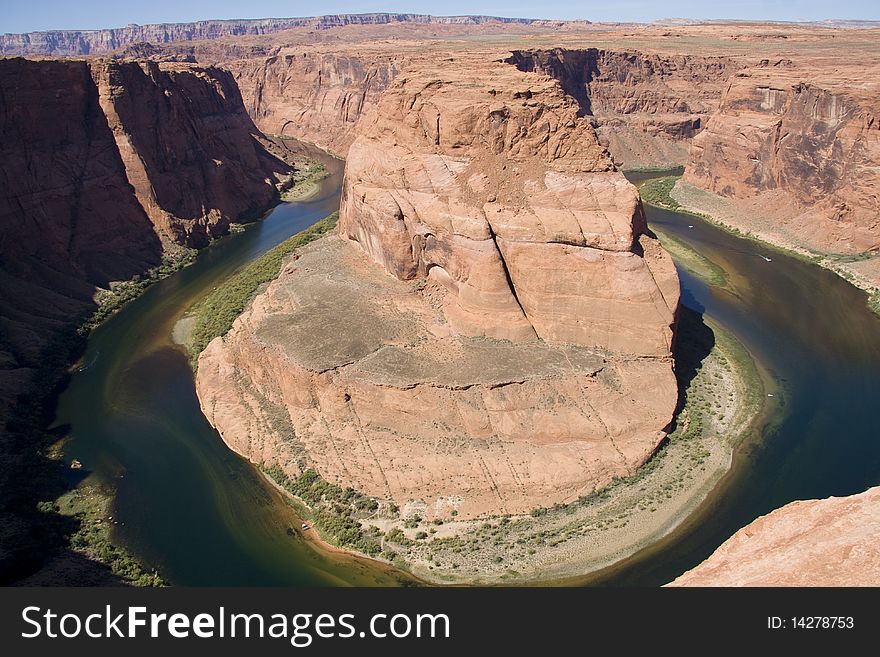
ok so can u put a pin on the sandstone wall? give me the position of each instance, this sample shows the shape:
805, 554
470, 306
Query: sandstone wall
807, 153
100, 164
311, 95
189, 148
645, 106
504, 197
341, 368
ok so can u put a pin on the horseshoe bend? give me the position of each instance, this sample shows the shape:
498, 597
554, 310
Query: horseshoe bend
472, 300
490, 329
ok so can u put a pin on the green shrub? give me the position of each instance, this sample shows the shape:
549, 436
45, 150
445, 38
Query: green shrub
216, 313
333, 509
657, 192
874, 303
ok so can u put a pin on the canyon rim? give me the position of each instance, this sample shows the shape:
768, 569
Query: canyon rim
489, 331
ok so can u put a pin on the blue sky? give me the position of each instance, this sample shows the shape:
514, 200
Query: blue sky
25, 16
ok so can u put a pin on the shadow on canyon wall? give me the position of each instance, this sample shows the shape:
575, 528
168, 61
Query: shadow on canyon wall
694, 341
108, 169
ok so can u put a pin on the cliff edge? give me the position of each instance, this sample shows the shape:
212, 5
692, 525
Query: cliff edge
831, 542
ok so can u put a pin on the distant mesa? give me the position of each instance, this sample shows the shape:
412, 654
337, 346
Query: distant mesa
102, 42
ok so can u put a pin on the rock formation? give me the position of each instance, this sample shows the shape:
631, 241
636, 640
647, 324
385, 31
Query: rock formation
189, 148
313, 95
491, 329
831, 542
102, 162
805, 152
479, 189
646, 107
102, 167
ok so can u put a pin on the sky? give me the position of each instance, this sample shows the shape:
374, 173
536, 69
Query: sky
37, 15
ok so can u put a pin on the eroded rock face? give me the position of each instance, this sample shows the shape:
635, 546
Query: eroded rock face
646, 106
490, 332
806, 151
504, 197
101, 166
312, 95
831, 542
189, 147
344, 369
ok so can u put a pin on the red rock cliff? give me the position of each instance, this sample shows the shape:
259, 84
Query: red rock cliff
504, 197
313, 95
501, 321
189, 148
806, 152
644, 106
101, 164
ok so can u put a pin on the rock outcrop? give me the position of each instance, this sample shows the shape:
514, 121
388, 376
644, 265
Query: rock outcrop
500, 194
805, 152
490, 331
831, 542
313, 95
190, 150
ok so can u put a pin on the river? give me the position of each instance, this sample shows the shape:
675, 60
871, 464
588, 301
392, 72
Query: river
185, 503
200, 514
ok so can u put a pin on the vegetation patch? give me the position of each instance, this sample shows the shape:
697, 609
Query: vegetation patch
304, 182
657, 192
91, 507
215, 314
337, 513
121, 292
874, 303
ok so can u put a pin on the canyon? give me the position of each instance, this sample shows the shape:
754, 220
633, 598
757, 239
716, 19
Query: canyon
102, 42
779, 141
502, 319
108, 170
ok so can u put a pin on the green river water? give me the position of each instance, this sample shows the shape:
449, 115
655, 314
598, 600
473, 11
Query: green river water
202, 515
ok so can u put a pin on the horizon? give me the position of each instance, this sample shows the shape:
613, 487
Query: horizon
54, 15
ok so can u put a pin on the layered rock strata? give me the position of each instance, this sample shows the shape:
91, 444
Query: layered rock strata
102, 166
831, 542
804, 152
490, 332
646, 107
102, 42
313, 95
